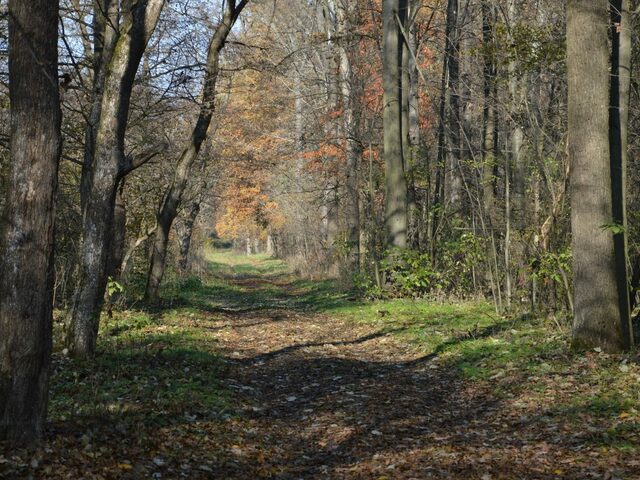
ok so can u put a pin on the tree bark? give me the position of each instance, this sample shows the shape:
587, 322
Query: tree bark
599, 321
618, 139
107, 165
106, 18
453, 122
169, 208
116, 253
185, 234
516, 136
489, 120
351, 119
27, 240
396, 185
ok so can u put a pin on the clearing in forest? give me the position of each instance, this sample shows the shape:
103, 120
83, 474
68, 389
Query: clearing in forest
253, 373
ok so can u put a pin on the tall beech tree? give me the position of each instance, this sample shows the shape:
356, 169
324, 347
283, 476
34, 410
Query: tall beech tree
122, 37
172, 198
26, 262
393, 14
599, 320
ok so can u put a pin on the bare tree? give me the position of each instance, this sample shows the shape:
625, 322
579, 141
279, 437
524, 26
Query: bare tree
169, 208
118, 54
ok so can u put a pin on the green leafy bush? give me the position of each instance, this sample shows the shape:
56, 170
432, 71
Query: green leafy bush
411, 273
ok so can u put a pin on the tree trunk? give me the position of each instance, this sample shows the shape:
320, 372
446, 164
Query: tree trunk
396, 186
27, 241
489, 120
351, 119
454, 125
186, 233
413, 129
618, 139
516, 137
599, 321
173, 197
440, 175
106, 17
270, 250
108, 166
116, 252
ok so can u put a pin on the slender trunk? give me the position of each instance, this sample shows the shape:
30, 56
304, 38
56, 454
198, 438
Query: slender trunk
440, 174
270, 249
454, 125
173, 197
507, 233
299, 125
329, 201
186, 233
618, 138
489, 132
516, 138
599, 321
407, 146
396, 186
134, 246
416, 209
27, 239
351, 117
116, 253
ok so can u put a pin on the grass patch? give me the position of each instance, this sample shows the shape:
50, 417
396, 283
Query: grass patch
526, 361
150, 368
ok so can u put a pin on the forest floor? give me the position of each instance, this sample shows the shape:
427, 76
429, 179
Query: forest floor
253, 373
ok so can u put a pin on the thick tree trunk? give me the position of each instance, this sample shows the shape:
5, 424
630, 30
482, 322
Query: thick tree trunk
599, 321
396, 185
408, 153
26, 268
108, 165
173, 197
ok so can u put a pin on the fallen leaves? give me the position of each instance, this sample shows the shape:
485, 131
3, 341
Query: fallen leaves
314, 396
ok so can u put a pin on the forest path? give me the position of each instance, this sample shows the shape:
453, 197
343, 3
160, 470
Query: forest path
252, 373
324, 397
320, 396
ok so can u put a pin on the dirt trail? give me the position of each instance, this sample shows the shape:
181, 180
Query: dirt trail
324, 398
311, 396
